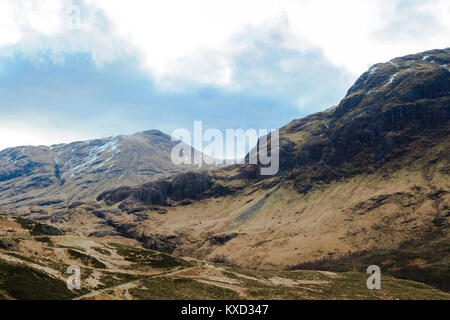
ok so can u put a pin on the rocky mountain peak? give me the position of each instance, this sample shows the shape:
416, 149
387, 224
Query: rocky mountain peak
84, 169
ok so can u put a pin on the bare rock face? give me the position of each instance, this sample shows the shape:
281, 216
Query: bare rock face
189, 185
220, 239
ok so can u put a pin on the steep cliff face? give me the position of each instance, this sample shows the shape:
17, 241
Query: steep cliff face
183, 186
390, 107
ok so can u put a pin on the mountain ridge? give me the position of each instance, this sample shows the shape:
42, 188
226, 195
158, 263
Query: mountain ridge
387, 137
82, 169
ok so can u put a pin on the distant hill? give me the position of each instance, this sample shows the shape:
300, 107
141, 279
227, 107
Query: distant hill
84, 169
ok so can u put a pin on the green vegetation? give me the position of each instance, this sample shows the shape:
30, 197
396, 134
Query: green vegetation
38, 229
293, 275
25, 283
24, 258
181, 288
147, 258
109, 279
86, 259
102, 251
423, 261
320, 285
293, 285
352, 285
274, 294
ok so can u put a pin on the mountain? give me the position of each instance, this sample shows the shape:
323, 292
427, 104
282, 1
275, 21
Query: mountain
82, 170
365, 182
371, 172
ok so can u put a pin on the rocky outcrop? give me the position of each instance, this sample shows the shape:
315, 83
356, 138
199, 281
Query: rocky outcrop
189, 185
220, 239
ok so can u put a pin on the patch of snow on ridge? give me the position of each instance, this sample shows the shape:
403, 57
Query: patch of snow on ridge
111, 145
425, 58
391, 80
444, 66
100, 165
106, 161
393, 64
94, 154
372, 70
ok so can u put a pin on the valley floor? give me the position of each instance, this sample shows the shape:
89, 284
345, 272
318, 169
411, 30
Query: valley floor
33, 265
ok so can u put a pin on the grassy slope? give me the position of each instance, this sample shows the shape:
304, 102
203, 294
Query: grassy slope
25, 283
346, 285
426, 262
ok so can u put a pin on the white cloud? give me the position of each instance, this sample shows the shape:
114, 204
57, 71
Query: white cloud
9, 33
345, 30
172, 30
175, 38
169, 30
20, 134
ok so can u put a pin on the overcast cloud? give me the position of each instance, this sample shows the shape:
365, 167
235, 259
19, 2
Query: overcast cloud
134, 65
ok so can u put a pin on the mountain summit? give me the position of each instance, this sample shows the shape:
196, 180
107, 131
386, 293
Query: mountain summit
84, 169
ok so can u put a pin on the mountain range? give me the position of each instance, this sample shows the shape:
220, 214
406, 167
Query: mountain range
364, 182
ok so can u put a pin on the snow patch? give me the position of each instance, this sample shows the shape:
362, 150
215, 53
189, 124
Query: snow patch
100, 165
111, 145
425, 58
444, 66
391, 79
393, 64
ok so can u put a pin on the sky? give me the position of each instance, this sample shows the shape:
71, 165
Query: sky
82, 69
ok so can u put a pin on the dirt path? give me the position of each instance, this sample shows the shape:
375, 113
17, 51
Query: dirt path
129, 285
123, 286
238, 289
